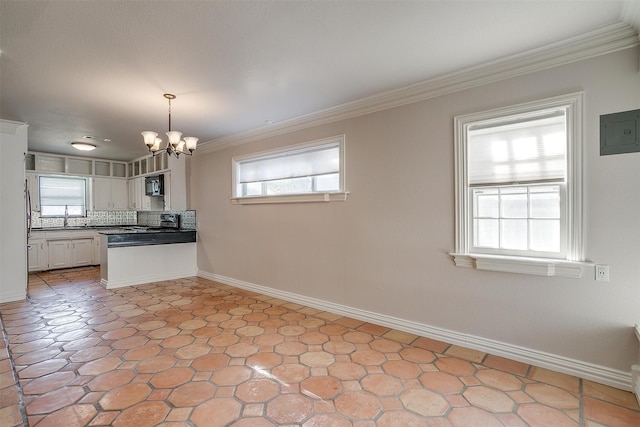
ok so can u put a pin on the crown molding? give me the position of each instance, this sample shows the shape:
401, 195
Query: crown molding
605, 40
10, 127
631, 13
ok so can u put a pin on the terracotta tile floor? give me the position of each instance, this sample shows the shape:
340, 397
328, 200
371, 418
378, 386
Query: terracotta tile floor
197, 353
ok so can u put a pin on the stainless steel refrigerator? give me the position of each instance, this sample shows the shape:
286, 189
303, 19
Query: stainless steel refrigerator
27, 198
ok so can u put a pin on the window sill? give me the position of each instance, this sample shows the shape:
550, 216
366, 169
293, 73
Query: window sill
534, 266
292, 198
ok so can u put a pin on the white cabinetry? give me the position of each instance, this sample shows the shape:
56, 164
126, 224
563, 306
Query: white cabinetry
38, 253
101, 194
148, 164
138, 200
73, 165
59, 254
175, 185
69, 249
175, 182
109, 194
34, 190
119, 194
81, 252
133, 200
70, 253
95, 258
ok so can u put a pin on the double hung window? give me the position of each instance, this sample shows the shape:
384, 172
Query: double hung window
306, 172
60, 196
518, 182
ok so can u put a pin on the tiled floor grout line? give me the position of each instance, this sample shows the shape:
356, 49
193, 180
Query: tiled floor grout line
50, 296
580, 394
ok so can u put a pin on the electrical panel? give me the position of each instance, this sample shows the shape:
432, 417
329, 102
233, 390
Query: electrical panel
620, 133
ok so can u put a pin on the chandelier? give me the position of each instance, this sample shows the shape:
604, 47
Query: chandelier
175, 145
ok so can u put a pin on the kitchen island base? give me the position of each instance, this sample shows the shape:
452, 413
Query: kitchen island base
135, 265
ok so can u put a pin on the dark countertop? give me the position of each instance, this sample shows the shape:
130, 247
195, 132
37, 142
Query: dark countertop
142, 236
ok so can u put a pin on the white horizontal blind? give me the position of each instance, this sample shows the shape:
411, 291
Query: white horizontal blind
518, 151
58, 192
295, 164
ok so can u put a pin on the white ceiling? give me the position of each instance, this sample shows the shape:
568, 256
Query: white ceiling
99, 68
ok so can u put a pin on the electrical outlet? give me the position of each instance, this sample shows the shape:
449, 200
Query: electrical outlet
602, 273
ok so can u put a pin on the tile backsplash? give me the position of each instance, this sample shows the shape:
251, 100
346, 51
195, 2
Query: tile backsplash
115, 218
93, 218
152, 218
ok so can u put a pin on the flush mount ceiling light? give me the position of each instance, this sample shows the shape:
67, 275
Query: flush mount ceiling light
175, 145
83, 146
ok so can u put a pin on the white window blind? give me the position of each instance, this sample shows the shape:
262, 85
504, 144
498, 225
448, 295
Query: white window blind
308, 172
526, 150
317, 161
56, 193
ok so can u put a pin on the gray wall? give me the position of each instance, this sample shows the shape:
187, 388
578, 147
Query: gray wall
386, 248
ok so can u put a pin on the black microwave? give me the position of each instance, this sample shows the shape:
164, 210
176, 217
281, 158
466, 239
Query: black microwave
154, 185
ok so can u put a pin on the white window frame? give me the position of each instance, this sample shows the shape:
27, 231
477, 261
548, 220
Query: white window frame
572, 264
85, 207
329, 196
561, 254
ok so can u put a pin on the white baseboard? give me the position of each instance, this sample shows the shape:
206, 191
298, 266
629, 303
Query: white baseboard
635, 370
132, 281
589, 371
635, 381
13, 296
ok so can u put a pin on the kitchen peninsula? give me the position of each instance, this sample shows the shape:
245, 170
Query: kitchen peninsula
136, 255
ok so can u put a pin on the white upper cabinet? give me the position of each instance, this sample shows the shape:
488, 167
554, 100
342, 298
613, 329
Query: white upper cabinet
73, 165
109, 194
138, 200
34, 190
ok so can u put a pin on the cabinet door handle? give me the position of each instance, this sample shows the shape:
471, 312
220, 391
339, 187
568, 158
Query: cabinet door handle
42, 246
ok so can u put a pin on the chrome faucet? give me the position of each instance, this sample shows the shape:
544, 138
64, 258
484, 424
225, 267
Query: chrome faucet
66, 215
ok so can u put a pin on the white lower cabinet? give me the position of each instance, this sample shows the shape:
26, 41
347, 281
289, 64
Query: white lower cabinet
81, 252
70, 253
59, 254
38, 255
63, 249
96, 250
